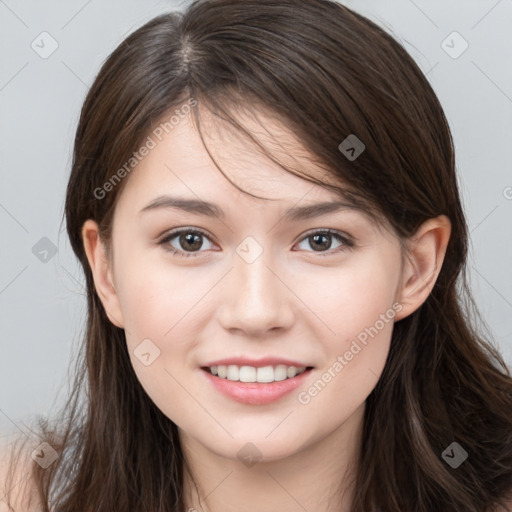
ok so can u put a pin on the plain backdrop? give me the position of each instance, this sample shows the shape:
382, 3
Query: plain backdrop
464, 47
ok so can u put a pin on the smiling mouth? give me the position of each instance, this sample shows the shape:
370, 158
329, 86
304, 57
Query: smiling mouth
249, 374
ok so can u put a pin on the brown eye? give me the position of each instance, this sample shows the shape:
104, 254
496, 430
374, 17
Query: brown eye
321, 241
189, 240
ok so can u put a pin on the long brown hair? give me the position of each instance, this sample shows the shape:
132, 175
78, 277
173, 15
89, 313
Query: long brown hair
326, 72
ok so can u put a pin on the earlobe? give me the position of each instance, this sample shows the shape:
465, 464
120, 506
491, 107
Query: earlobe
423, 262
102, 272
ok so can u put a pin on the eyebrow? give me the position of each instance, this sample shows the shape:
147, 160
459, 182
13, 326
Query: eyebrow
207, 209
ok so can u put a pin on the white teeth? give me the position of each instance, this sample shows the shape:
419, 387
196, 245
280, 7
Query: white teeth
251, 374
245, 374
266, 374
233, 372
291, 372
281, 372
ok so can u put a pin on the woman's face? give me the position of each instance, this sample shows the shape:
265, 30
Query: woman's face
258, 284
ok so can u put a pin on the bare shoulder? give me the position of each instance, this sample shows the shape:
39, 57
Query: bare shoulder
17, 488
508, 507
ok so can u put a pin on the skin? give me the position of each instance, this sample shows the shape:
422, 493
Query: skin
293, 301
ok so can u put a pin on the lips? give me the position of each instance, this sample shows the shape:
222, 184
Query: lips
255, 393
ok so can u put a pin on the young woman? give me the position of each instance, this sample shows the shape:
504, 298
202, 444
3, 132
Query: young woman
264, 201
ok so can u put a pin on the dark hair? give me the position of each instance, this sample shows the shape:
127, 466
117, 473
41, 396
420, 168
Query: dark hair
326, 72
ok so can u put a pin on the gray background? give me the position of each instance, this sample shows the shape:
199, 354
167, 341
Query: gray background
42, 304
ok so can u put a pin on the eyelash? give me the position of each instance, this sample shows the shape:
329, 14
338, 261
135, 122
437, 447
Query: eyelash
347, 244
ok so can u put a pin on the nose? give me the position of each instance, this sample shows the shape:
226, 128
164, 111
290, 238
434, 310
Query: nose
256, 298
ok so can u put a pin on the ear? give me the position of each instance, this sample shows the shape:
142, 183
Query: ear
422, 264
102, 272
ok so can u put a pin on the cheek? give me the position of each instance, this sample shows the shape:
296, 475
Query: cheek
157, 305
152, 297
355, 303
155, 317
353, 296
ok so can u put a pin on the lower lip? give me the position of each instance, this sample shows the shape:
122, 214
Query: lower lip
256, 393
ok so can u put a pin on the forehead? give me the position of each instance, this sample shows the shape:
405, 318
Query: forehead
180, 164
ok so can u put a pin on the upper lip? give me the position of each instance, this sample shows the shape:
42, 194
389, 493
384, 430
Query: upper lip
257, 363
